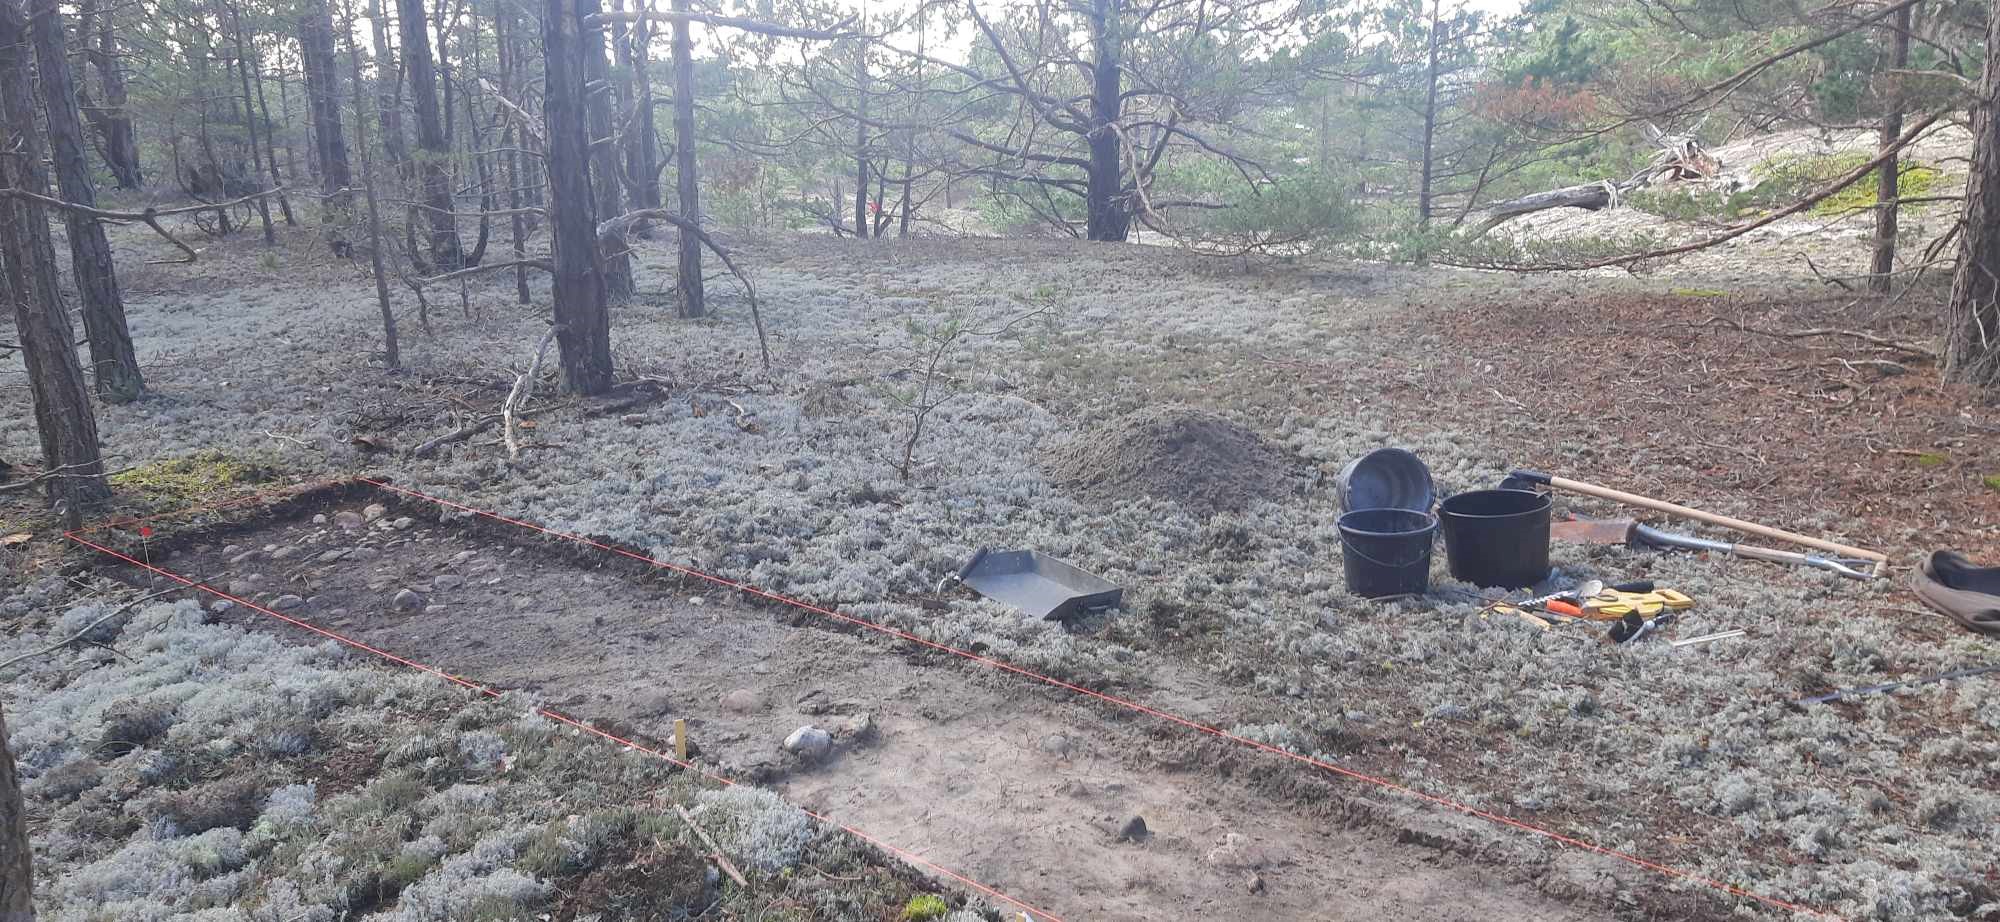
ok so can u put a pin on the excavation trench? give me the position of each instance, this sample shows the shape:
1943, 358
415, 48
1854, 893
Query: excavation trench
1022, 788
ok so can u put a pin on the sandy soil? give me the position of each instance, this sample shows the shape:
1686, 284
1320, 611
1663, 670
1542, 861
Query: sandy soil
1025, 792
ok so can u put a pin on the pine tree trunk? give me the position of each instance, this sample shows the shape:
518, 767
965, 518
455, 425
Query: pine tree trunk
583, 326
388, 93
17, 862
1972, 313
648, 142
687, 282
1882, 266
435, 160
119, 143
1430, 118
505, 28
250, 126
114, 364
1109, 213
614, 254
323, 102
391, 348
862, 221
270, 135
642, 159
64, 418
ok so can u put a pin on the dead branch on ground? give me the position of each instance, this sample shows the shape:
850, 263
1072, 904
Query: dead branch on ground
524, 385
1908, 348
79, 636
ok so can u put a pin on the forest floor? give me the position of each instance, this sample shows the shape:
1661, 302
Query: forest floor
1115, 360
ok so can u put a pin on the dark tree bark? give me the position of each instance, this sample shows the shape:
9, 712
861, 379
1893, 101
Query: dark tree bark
114, 365
433, 168
583, 326
1972, 313
1882, 265
391, 349
17, 863
63, 415
113, 125
687, 282
1109, 212
323, 101
614, 255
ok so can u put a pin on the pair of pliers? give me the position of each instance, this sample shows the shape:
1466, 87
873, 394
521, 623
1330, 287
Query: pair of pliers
1612, 603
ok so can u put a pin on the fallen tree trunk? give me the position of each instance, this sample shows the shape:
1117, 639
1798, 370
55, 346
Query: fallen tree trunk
1590, 196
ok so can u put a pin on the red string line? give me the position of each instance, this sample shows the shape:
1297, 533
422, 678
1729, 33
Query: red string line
1134, 706
463, 682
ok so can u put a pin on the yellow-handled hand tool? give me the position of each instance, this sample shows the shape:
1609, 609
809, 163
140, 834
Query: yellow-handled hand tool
1612, 604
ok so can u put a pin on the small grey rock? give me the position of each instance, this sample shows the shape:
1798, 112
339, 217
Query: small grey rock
860, 727
241, 587
373, 511
350, 521
433, 609
1055, 744
1134, 830
231, 550
447, 581
463, 556
364, 553
287, 602
809, 743
319, 519
407, 600
221, 605
243, 558
337, 554
403, 524
286, 553
743, 701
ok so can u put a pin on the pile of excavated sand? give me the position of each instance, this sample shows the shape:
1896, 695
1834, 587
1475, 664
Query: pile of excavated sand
1174, 453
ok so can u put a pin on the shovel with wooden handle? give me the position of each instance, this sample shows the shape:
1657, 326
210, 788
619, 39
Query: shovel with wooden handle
1626, 531
1633, 534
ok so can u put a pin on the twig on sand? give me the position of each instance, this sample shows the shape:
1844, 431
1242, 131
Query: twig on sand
721, 859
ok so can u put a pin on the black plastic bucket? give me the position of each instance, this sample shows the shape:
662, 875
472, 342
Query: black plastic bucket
1497, 538
1387, 552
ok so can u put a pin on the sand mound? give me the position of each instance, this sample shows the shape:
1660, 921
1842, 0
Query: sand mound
1175, 453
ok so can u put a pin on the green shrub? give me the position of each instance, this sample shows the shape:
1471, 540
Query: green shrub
925, 908
1781, 181
1788, 178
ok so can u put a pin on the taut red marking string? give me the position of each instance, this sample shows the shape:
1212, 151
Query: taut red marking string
1136, 707
463, 682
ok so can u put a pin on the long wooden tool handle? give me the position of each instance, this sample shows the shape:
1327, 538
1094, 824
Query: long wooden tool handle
1750, 528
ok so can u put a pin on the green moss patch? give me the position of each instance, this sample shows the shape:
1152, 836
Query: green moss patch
180, 482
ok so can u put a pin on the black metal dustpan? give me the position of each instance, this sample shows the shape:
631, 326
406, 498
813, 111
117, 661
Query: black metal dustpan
1038, 584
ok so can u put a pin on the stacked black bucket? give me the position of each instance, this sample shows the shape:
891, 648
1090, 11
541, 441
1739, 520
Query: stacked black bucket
1492, 538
